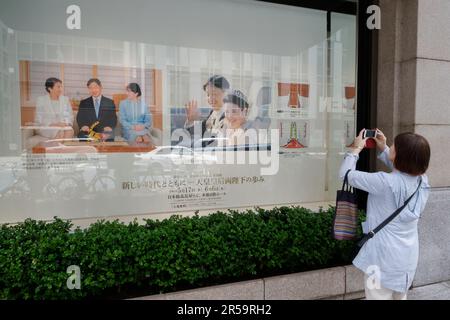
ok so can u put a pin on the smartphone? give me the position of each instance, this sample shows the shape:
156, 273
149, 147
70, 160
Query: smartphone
370, 133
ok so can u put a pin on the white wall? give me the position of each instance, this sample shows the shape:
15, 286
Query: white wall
236, 25
9, 112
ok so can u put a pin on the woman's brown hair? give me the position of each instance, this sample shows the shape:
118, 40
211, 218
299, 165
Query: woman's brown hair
412, 153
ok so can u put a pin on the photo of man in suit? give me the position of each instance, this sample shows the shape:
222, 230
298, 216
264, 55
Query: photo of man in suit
97, 108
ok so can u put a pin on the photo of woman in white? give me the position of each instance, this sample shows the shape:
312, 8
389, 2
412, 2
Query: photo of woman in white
236, 109
55, 111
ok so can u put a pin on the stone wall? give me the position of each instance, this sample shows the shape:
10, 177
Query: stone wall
414, 76
414, 95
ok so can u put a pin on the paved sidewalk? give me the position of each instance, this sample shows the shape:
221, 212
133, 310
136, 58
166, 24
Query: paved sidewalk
438, 291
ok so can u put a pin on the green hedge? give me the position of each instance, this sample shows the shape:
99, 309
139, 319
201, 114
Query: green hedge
119, 260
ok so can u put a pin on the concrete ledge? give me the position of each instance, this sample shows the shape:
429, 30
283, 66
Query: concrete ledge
306, 285
334, 283
340, 283
354, 280
355, 295
246, 290
340, 297
438, 291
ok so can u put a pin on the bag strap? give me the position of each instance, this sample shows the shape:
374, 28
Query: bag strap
389, 219
345, 180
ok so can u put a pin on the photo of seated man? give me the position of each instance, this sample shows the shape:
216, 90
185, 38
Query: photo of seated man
236, 108
135, 116
97, 108
215, 89
54, 110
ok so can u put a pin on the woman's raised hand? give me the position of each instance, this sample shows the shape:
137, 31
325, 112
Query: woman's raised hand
359, 143
380, 139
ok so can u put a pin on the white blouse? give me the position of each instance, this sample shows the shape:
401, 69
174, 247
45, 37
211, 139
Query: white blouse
49, 111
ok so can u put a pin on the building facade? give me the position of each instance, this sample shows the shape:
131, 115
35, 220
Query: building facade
312, 72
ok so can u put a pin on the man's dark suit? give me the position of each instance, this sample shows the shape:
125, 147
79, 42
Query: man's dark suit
106, 116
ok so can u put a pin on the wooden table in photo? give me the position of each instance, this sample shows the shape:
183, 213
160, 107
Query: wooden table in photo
91, 147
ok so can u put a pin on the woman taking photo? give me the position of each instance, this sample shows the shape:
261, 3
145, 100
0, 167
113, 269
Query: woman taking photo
389, 259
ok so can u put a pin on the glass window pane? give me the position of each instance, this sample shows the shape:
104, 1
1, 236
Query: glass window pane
296, 82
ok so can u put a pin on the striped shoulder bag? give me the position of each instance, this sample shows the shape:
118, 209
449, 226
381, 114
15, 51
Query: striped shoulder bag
346, 214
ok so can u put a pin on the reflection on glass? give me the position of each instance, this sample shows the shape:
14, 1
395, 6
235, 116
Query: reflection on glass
107, 121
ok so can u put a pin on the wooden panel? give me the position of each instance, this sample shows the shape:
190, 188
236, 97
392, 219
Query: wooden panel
101, 148
350, 92
95, 71
27, 115
24, 79
156, 108
117, 97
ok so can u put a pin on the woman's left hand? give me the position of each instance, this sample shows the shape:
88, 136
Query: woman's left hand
359, 143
